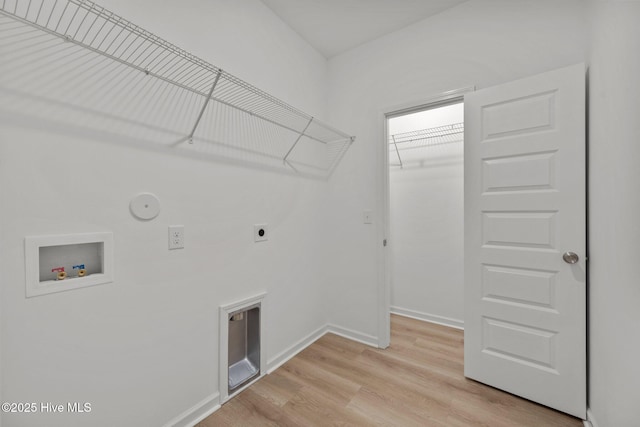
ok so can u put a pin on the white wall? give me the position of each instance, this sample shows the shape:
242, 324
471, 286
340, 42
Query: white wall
481, 43
427, 224
144, 349
614, 206
244, 38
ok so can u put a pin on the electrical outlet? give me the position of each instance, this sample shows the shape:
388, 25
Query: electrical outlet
176, 236
260, 232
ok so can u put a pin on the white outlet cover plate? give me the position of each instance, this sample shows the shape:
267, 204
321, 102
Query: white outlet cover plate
176, 236
256, 232
145, 206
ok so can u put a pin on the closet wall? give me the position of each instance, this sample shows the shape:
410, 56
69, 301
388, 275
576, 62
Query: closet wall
144, 349
426, 223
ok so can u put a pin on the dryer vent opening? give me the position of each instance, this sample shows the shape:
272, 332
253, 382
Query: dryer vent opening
243, 346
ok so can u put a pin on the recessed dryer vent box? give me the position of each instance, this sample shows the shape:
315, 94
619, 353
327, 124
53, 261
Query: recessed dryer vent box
242, 356
65, 262
244, 346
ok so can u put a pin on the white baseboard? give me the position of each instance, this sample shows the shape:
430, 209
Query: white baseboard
287, 354
305, 342
196, 413
426, 317
590, 421
360, 337
203, 409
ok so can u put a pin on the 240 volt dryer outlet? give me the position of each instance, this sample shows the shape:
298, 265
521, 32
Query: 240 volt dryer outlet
260, 232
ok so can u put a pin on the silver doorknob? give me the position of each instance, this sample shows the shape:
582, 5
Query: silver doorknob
570, 257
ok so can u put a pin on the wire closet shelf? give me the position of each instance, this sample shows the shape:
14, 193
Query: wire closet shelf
209, 94
425, 138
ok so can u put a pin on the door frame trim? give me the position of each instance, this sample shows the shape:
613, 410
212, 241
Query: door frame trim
383, 257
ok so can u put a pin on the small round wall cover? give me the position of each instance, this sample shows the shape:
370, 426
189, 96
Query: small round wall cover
145, 206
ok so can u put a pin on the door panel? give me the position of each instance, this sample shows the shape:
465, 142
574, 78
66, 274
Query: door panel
525, 308
519, 286
529, 172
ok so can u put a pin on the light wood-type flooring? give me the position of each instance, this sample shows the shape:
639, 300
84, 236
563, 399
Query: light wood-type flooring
417, 381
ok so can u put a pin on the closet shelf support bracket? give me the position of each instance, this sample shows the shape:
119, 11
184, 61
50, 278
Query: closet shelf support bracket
204, 106
297, 140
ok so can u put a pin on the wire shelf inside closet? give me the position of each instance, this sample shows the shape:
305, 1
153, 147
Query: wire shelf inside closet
74, 62
423, 138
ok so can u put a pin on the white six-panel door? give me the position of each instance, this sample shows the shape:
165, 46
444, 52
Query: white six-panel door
525, 306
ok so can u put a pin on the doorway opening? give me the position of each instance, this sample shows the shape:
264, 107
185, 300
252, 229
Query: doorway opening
426, 212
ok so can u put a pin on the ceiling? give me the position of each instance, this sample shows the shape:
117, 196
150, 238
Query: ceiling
335, 26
